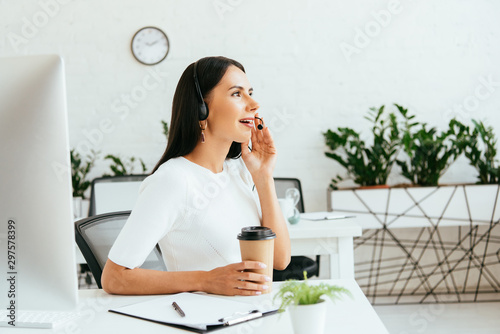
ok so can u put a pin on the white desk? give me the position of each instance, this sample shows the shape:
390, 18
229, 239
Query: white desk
327, 237
345, 316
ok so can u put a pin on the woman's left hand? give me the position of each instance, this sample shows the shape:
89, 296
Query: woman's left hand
261, 160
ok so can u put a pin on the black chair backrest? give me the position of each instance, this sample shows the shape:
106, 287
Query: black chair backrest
95, 235
114, 193
284, 183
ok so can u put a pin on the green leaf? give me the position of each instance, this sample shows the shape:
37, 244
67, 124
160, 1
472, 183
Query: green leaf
367, 164
165, 128
79, 171
303, 293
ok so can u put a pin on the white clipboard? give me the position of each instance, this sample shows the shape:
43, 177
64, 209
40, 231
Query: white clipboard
203, 313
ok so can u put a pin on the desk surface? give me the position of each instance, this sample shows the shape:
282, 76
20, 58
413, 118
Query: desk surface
305, 229
345, 316
367, 220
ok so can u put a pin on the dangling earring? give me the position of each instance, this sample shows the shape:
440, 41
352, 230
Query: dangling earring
202, 133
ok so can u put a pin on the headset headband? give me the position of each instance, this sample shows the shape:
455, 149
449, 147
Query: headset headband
203, 110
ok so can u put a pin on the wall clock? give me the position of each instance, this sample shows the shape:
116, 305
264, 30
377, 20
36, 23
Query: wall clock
150, 45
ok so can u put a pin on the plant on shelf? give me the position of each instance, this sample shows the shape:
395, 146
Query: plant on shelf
79, 171
479, 147
429, 151
304, 301
366, 165
127, 167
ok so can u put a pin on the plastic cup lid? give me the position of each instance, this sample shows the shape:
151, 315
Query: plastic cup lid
256, 233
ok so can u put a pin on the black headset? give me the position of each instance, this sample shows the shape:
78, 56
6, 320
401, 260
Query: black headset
203, 107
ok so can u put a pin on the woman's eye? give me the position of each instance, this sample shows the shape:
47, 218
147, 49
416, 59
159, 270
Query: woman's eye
236, 94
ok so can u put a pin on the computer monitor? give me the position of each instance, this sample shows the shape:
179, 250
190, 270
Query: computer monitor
37, 247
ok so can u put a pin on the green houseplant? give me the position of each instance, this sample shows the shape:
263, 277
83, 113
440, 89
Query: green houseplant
80, 168
121, 167
305, 303
366, 165
430, 153
165, 128
479, 146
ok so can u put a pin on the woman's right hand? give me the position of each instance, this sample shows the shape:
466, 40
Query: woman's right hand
232, 280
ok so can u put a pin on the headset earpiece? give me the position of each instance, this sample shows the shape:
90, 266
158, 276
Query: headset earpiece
203, 108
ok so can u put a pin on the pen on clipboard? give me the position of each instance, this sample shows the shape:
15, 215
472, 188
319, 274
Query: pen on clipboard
178, 309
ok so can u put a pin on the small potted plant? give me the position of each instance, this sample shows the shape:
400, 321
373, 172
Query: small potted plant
305, 304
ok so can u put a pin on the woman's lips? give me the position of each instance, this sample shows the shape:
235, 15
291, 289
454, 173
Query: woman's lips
247, 122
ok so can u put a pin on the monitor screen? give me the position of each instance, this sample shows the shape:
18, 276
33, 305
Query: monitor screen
37, 252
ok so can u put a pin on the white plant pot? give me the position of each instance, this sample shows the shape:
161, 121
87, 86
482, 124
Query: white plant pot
80, 208
85, 207
308, 319
450, 205
77, 208
419, 223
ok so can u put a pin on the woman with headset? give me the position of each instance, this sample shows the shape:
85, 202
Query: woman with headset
205, 188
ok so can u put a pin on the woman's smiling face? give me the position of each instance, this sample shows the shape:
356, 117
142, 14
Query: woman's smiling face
232, 108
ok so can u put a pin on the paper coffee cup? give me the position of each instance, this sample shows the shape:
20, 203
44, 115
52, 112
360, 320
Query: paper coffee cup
257, 244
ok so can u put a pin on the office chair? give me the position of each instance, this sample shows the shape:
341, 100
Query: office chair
297, 263
114, 193
96, 234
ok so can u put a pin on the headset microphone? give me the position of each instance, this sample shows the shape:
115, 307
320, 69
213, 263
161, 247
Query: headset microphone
260, 126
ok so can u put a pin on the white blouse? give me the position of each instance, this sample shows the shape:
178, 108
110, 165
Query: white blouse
193, 214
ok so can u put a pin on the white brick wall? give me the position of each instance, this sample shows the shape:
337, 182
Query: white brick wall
427, 55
